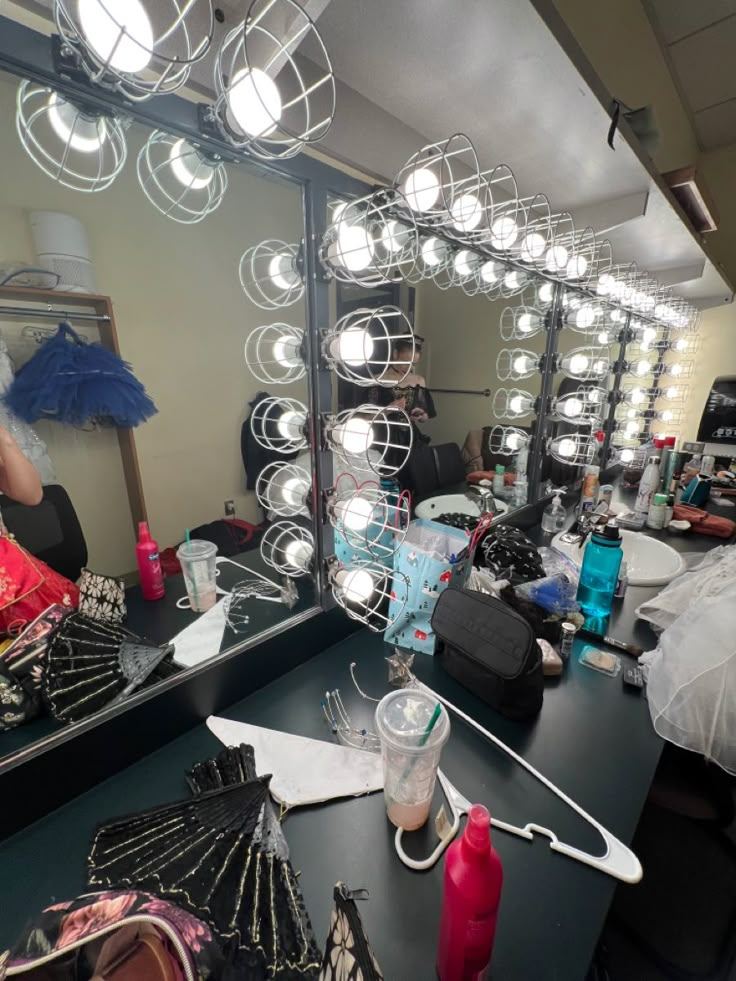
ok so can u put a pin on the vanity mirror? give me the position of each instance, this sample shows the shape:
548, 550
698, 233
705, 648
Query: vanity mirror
190, 269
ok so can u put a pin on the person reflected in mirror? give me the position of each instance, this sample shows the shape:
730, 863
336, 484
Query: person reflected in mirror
19, 479
410, 391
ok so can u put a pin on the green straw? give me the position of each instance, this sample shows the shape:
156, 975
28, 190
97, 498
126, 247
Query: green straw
194, 597
431, 724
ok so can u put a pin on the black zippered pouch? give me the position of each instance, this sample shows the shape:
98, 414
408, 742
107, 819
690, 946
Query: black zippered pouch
491, 650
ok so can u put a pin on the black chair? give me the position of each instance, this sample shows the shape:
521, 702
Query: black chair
51, 530
448, 459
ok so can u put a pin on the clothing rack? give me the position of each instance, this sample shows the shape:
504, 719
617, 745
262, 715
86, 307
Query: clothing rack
26, 313
485, 392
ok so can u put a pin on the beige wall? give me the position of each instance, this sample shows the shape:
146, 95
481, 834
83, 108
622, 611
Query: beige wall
717, 356
182, 320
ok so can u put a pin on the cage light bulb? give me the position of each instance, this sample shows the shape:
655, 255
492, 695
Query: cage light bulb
631, 428
254, 102
594, 396
643, 368
514, 441
578, 364
466, 212
355, 346
516, 405
648, 335
616, 316
572, 408
188, 166
585, 316
672, 392
605, 283
355, 514
676, 370
522, 364
566, 447
600, 366
604, 338
290, 424
626, 456
489, 271
545, 292
282, 273
357, 585
511, 280
667, 415
532, 247
355, 435
556, 258
463, 263
421, 189
681, 344
298, 554
354, 246
636, 396
393, 236
118, 31
527, 322
504, 232
293, 491
80, 132
434, 251
286, 352
577, 267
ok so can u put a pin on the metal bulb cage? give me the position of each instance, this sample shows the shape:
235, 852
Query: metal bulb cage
271, 100
274, 354
516, 363
637, 396
581, 266
685, 345
521, 322
371, 439
478, 200
284, 489
673, 393
270, 274
435, 177
536, 233
373, 240
463, 271
280, 424
288, 548
179, 179
363, 346
617, 283
679, 369
576, 449
434, 254
515, 281
371, 520
140, 48
513, 403
507, 440
583, 315
643, 366
370, 593
78, 148
586, 363
581, 408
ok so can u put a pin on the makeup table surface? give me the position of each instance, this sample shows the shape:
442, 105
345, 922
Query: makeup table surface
592, 739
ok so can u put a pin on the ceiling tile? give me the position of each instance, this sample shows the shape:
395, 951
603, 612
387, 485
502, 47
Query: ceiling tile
678, 18
704, 64
717, 126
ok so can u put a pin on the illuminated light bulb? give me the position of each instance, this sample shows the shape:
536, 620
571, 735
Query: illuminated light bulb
282, 273
545, 293
631, 414
631, 429
578, 364
466, 212
649, 335
676, 370
188, 166
80, 132
605, 284
355, 436
594, 396
643, 368
566, 447
298, 554
514, 441
355, 514
291, 424
637, 396
393, 236
672, 392
666, 415
616, 316
434, 251
357, 585
626, 456
600, 367
489, 271
577, 267
355, 346
254, 102
681, 344
572, 408
585, 317
511, 280
354, 246
463, 263
556, 258
527, 322
118, 31
294, 491
421, 189
504, 232
516, 405
604, 338
532, 247
523, 364
286, 352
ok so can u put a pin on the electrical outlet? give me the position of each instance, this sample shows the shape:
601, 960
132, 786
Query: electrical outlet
229, 509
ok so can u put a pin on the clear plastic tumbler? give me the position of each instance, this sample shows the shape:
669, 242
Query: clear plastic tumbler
197, 559
411, 756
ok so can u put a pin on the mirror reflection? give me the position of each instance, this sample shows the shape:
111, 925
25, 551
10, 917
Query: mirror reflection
142, 407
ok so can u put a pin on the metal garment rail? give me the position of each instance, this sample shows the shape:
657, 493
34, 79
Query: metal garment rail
28, 313
485, 392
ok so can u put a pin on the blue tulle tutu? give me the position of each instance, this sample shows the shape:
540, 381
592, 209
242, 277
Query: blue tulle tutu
74, 382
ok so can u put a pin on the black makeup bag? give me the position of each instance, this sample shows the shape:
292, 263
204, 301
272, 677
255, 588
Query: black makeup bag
491, 650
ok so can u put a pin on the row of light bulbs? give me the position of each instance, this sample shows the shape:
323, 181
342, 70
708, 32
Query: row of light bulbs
268, 101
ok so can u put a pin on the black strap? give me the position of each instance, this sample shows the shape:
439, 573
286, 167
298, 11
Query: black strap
615, 115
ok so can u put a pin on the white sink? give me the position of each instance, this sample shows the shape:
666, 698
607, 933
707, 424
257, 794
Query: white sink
454, 504
649, 561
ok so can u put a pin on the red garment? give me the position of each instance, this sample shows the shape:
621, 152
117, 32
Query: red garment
704, 523
28, 587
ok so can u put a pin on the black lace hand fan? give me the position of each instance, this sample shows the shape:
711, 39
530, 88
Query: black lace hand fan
90, 665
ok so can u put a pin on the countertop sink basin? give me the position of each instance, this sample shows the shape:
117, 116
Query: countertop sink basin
433, 507
649, 561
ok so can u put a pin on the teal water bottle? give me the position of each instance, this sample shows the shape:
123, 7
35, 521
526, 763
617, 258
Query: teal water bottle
598, 577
